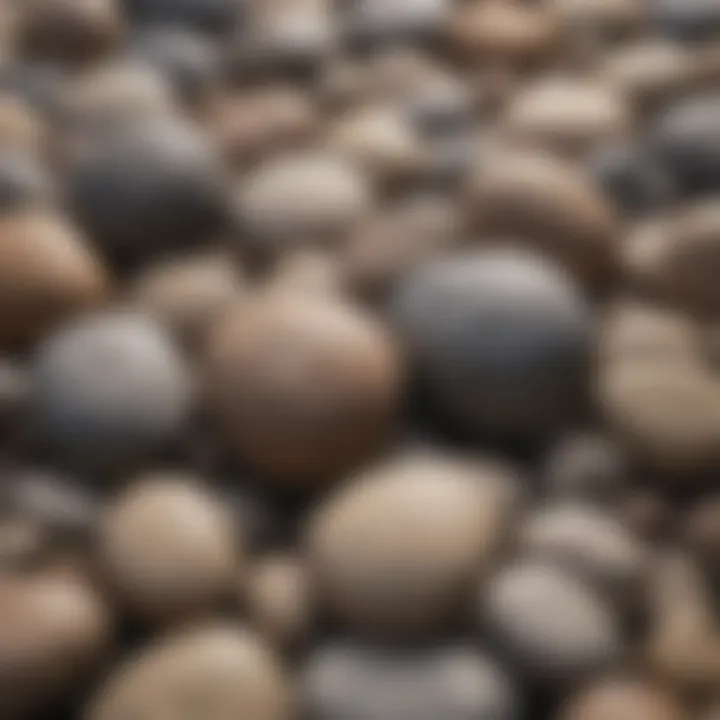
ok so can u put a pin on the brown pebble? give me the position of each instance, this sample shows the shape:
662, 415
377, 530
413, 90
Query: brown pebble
396, 550
568, 116
170, 549
304, 386
279, 602
69, 31
48, 275
187, 294
54, 630
666, 415
549, 204
218, 671
113, 93
623, 699
501, 33
251, 125
381, 141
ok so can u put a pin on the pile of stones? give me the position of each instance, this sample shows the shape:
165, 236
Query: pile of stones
360, 359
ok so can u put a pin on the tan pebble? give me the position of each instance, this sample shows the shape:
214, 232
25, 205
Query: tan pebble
170, 549
396, 550
48, 274
219, 671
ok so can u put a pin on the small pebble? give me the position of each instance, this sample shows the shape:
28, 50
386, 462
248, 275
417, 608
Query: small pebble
170, 549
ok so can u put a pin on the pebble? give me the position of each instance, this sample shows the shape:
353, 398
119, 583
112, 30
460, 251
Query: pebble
253, 125
109, 391
395, 552
555, 629
219, 670
48, 276
55, 630
170, 549
568, 116
499, 340
347, 678
301, 197
305, 387
550, 205
514, 35
381, 142
287, 35
155, 185
624, 698
589, 542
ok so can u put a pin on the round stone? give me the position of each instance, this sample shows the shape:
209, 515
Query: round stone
109, 391
55, 630
219, 670
48, 275
170, 549
499, 340
567, 116
551, 205
155, 186
395, 551
301, 197
553, 627
303, 385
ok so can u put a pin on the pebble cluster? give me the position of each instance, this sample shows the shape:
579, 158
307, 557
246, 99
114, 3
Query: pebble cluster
359, 359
